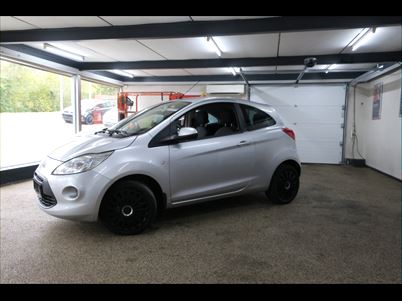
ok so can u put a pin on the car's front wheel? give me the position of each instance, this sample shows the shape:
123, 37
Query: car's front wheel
128, 208
284, 184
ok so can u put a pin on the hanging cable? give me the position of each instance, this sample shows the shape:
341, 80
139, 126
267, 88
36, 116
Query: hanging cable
191, 88
355, 140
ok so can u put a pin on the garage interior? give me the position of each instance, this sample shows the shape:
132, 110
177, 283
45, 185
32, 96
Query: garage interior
336, 81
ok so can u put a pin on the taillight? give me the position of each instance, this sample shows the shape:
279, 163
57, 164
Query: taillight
289, 132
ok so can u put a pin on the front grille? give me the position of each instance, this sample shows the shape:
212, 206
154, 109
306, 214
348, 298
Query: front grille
45, 194
47, 201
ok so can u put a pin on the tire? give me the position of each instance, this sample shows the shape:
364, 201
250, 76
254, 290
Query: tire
284, 185
89, 119
128, 208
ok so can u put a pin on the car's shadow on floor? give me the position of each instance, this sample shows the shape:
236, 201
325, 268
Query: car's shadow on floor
187, 216
202, 212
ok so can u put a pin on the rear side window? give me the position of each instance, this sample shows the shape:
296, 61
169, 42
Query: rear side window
255, 118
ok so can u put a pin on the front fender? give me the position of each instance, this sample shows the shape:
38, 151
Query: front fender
130, 161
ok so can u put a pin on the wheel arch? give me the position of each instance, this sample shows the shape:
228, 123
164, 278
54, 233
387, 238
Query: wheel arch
293, 163
145, 179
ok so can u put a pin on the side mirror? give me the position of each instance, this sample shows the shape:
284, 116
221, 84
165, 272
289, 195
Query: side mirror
187, 133
184, 134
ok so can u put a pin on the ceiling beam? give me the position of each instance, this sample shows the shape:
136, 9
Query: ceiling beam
250, 77
43, 54
375, 57
199, 28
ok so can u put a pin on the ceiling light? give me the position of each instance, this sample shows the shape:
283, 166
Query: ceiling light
63, 52
330, 67
364, 39
359, 36
214, 46
234, 70
121, 72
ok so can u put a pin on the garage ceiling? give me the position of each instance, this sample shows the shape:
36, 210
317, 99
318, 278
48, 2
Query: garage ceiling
175, 48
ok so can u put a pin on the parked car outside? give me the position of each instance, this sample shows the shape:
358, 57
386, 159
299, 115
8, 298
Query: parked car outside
89, 107
169, 155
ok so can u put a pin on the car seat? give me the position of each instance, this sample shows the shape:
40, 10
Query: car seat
201, 119
227, 120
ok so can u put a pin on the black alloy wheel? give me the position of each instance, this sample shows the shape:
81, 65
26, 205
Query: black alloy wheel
284, 184
128, 208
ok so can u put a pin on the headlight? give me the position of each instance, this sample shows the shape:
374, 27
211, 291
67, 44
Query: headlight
81, 163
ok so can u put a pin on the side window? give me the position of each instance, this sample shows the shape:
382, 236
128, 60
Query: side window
214, 120
255, 118
211, 120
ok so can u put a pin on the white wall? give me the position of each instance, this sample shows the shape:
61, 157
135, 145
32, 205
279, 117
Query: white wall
379, 140
198, 89
145, 101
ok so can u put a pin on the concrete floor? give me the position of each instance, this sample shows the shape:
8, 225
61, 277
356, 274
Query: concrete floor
344, 227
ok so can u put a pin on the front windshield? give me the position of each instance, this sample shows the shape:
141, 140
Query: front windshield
142, 122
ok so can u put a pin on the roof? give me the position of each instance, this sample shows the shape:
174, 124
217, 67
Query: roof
161, 49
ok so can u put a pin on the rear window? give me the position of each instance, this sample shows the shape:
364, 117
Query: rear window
255, 118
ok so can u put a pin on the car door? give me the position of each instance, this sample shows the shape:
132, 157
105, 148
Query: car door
220, 163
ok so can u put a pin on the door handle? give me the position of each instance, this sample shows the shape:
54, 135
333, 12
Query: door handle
243, 142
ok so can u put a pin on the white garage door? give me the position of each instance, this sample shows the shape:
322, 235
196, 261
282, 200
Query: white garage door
314, 112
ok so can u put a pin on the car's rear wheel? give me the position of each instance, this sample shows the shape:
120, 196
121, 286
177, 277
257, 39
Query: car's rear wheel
284, 184
89, 119
128, 208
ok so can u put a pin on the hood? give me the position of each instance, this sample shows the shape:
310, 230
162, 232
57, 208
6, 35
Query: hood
81, 145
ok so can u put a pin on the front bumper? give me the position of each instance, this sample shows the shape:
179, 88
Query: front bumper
82, 205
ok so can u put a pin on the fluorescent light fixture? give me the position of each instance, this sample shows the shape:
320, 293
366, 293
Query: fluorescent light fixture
330, 67
234, 70
121, 72
62, 52
359, 36
214, 46
367, 36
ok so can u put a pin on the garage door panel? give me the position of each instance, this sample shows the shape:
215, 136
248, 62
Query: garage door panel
320, 151
332, 114
317, 131
302, 95
314, 112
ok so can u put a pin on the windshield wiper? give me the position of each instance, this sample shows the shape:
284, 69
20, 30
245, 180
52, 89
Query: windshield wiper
101, 131
111, 132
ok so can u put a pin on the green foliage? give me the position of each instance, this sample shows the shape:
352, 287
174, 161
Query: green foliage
25, 89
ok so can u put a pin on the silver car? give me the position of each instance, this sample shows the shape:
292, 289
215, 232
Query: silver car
171, 154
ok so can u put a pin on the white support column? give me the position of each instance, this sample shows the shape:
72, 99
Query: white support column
76, 102
61, 92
